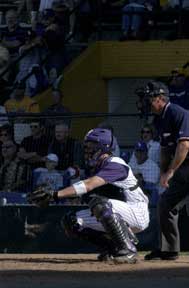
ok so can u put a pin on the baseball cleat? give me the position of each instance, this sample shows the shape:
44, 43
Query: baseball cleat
129, 258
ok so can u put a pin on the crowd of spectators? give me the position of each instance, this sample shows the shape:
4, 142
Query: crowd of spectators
47, 24
34, 45
39, 158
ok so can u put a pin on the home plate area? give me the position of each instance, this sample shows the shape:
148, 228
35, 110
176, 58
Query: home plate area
83, 270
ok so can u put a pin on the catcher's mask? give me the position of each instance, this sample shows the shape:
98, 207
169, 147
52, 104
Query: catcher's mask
97, 142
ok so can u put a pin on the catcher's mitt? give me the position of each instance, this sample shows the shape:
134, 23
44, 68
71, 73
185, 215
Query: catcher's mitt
42, 196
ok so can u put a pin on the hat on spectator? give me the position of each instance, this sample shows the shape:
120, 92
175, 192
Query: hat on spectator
141, 146
52, 157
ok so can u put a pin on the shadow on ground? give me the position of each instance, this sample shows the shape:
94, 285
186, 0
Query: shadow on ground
117, 275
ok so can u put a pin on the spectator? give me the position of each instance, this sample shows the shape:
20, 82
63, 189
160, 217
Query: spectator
56, 179
6, 134
13, 35
179, 10
85, 20
68, 149
133, 15
179, 88
52, 31
14, 174
147, 172
21, 102
62, 10
34, 54
4, 63
147, 135
3, 117
28, 9
34, 148
49, 174
57, 106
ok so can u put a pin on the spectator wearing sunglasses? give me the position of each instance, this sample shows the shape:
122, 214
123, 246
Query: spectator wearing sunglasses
33, 148
147, 135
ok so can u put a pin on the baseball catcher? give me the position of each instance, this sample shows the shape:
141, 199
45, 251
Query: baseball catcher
117, 207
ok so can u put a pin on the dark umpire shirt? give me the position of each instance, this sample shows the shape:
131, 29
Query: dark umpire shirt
172, 126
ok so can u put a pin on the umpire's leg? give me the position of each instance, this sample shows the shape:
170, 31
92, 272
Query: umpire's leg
171, 201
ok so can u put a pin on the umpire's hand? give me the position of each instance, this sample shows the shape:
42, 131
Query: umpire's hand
165, 177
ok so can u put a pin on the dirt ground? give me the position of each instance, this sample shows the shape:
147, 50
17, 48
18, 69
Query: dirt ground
82, 270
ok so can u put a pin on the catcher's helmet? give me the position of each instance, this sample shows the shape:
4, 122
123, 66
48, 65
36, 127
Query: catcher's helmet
155, 88
97, 142
103, 138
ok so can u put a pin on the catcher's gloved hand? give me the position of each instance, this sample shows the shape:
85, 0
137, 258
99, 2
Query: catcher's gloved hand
42, 196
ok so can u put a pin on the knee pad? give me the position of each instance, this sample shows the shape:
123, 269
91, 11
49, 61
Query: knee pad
100, 207
69, 224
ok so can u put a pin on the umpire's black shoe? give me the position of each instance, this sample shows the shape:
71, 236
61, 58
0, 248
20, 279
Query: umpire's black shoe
154, 255
161, 255
169, 255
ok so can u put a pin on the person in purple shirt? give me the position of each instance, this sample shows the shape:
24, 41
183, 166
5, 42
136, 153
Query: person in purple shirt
172, 123
117, 207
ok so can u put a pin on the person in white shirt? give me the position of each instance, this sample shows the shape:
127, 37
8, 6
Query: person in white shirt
146, 171
152, 145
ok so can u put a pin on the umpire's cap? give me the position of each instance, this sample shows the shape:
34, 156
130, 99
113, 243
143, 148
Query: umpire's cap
156, 88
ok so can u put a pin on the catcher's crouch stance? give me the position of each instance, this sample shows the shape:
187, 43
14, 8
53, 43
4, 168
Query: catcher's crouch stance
117, 205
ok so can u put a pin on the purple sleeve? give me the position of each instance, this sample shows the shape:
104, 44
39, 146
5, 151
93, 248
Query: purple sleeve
112, 172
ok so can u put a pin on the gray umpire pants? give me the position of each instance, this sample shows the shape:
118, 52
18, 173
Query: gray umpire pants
171, 201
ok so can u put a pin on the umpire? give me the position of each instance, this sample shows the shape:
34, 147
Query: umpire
172, 124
